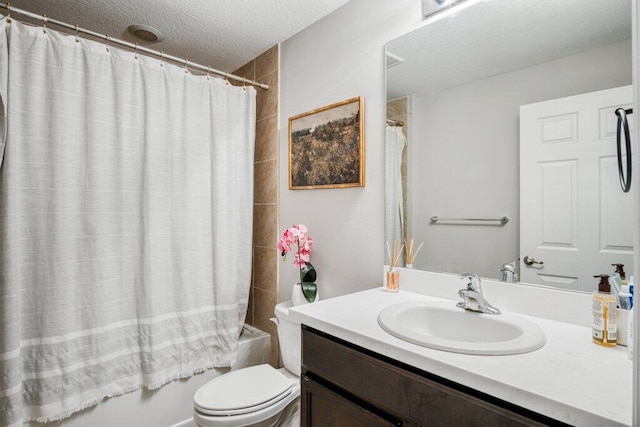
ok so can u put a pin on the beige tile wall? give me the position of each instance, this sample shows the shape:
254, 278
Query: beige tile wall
264, 281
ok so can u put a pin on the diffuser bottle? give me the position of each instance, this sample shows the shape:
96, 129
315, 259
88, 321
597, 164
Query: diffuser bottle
604, 307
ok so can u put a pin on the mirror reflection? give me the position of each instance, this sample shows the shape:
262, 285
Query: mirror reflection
501, 141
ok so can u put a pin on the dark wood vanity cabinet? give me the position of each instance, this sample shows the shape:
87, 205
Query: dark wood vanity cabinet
346, 385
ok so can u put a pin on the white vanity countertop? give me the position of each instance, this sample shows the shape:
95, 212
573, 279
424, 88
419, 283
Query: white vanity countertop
569, 379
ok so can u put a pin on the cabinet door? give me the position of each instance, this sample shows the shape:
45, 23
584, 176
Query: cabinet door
322, 407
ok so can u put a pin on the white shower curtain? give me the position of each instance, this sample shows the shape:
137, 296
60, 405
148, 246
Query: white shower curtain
125, 222
394, 212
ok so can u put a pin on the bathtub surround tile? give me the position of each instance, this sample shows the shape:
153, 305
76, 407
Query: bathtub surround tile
265, 302
397, 107
274, 357
265, 221
403, 167
264, 273
247, 71
249, 317
263, 296
265, 210
265, 182
267, 139
266, 62
262, 312
267, 100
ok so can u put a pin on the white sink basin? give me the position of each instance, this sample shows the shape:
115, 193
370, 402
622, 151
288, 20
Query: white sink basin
443, 326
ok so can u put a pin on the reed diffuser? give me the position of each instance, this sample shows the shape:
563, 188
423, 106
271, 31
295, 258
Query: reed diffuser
409, 254
393, 276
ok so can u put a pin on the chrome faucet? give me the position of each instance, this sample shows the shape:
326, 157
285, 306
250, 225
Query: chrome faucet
472, 298
508, 272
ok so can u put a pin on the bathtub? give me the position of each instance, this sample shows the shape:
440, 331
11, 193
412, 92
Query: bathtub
172, 404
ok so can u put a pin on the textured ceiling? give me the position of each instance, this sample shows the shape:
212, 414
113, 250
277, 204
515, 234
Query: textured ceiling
497, 36
224, 34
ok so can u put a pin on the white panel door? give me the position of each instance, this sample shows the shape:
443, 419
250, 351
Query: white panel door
574, 218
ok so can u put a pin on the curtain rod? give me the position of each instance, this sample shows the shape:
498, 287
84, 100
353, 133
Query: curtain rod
395, 122
134, 46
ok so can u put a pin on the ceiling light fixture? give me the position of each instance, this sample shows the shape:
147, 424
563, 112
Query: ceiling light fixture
145, 32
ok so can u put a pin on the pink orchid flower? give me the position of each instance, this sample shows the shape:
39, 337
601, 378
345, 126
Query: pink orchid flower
296, 235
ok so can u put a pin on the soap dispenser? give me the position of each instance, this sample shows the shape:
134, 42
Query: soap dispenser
605, 315
620, 271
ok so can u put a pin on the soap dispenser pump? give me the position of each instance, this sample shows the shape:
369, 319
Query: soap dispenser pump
605, 315
620, 271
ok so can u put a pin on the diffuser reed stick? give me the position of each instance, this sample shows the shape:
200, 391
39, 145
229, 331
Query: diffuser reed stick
409, 254
397, 251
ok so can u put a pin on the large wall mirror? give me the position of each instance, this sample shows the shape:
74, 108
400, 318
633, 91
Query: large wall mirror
501, 140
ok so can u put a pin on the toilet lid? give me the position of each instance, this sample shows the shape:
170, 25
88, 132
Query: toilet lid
242, 391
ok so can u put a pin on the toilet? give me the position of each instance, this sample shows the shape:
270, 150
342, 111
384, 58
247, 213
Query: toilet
258, 395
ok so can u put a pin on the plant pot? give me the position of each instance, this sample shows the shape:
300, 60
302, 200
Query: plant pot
297, 297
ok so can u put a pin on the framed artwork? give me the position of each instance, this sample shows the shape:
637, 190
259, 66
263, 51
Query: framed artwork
326, 147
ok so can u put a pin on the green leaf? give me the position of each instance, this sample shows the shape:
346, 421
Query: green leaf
309, 290
308, 273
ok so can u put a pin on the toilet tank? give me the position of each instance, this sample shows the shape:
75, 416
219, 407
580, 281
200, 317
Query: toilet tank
289, 337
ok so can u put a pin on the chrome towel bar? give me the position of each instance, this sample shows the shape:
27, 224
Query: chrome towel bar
502, 220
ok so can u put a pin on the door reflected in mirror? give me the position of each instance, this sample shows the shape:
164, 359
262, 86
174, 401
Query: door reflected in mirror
507, 110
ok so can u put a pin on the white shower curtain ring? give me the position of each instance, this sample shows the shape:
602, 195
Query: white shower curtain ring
44, 23
8, 13
161, 56
77, 31
136, 52
186, 66
108, 38
208, 70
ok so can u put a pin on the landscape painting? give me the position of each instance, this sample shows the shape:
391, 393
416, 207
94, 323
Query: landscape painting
326, 147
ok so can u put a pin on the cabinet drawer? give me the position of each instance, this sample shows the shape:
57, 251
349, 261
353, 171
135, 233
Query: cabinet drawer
405, 394
322, 407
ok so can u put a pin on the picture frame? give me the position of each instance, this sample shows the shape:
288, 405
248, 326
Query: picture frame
326, 147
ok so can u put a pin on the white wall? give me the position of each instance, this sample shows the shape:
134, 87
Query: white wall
465, 155
340, 57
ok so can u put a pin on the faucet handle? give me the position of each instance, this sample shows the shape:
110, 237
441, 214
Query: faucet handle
472, 281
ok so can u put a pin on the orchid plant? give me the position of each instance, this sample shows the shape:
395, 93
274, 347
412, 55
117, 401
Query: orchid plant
297, 236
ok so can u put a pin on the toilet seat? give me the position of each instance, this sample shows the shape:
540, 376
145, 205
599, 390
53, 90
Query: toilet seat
245, 396
245, 410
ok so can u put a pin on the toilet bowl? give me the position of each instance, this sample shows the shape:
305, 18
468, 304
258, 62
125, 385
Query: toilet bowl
258, 395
